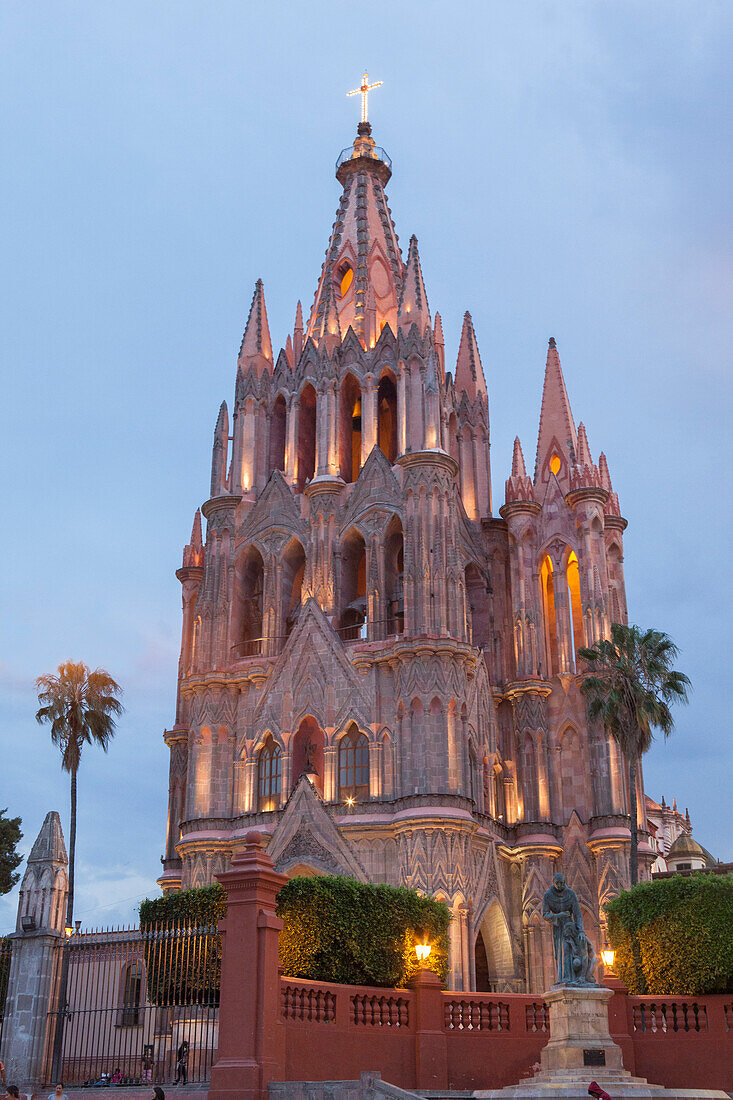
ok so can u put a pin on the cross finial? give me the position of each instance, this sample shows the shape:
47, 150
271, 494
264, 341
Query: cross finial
364, 91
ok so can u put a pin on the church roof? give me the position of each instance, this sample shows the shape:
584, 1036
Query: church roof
364, 250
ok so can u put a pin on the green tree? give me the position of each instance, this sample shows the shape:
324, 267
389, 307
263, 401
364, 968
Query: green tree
81, 706
629, 687
10, 835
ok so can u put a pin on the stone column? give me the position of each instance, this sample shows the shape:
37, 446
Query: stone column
35, 968
251, 1032
401, 412
431, 1048
369, 418
375, 769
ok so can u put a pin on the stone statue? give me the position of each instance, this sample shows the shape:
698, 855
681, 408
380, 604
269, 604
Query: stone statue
575, 959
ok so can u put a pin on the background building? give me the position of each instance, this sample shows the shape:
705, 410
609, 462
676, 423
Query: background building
376, 669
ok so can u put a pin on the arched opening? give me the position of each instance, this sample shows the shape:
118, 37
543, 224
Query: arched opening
387, 418
269, 775
278, 426
308, 752
353, 766
477, 599
572, 573
344, 277
133, 977
493, 953
306, 436
350, 420
548, 607
394, 568
353, 587
293, 569
249, 608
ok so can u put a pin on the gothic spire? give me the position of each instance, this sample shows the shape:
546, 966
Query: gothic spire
413, 307
220, 452
557, 441
439, 344
328, 331
584, 473
364, 249
469, 372
193, 551
518, 486
297, 335
612, 506
256, 347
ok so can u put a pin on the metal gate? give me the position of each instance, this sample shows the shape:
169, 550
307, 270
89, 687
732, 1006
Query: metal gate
136, 1007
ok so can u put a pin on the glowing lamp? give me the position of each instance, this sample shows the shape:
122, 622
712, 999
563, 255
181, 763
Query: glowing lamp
350, 801
69, 931
422, 950
608, 955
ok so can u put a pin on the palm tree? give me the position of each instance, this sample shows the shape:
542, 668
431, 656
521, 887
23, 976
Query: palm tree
81, 707
629, 687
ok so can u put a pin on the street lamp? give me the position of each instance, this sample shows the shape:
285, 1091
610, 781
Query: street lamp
422, 950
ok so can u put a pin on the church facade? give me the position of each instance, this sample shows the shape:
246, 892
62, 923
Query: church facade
377, 671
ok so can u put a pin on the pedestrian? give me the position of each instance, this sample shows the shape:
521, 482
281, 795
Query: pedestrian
158, 1093
2, 1073
58, 1094
182, 1063
11, 1093
148, 1065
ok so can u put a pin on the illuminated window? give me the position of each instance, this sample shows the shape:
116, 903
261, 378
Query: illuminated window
548, 604
555, 464
269, 776
576, 608
344, 278
354, 766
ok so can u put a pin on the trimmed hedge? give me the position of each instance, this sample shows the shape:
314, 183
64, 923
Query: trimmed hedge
335, 929
340, 930
205, 906
673, 936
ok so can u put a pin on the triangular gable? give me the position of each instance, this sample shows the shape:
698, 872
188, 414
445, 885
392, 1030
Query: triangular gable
275, 507
306, 833
376, 487
305, 672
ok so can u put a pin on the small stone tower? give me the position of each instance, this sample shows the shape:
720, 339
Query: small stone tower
377, 670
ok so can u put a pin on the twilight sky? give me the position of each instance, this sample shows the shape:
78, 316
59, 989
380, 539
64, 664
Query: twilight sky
566, 167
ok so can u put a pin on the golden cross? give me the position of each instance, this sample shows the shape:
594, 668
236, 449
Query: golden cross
364, 91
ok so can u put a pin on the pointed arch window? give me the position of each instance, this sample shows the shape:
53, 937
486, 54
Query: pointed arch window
576, 608
354, 766
269, 776
548, 607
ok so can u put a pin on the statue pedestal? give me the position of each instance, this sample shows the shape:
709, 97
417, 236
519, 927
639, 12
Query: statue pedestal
581, 1050
579, 1035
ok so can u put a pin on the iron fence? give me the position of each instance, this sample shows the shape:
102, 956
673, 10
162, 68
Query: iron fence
136, 1007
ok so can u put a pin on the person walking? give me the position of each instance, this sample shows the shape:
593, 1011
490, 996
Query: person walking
58, 1094
182, 1063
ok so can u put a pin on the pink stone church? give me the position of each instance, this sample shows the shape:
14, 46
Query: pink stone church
378, 669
